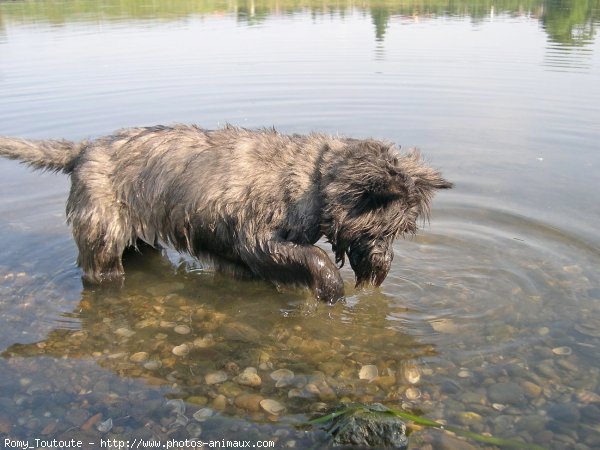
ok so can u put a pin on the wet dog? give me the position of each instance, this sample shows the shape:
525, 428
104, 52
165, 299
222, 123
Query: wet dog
254, 200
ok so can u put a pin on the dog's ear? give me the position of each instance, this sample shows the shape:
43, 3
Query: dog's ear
389, 184
432, 179
425, 178
377, 172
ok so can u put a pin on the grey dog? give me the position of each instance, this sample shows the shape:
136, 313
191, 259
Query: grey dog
257, 200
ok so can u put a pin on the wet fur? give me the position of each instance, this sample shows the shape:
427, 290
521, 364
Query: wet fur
254, 200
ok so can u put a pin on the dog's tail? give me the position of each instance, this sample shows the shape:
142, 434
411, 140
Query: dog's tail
58, 156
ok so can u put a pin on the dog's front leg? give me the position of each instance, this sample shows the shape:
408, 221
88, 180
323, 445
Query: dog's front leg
292, 263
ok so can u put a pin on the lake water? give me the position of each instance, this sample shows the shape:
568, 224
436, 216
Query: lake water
490, 317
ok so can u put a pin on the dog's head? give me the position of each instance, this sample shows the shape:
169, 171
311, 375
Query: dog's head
373, 195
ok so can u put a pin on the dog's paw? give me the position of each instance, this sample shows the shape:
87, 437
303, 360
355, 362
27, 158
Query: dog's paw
330, 288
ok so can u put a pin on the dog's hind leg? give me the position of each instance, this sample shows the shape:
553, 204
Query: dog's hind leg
297, 263
100, 227
100, 249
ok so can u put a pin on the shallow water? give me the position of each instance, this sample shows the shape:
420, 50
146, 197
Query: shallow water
490, 317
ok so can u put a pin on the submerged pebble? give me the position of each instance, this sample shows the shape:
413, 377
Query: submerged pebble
125, 332
567, 364
249, 377
231, 367
139, 357
181, 350
145, 323
412, 374
587, 397
469, 417
446, 326
152, 365
197, 400
215, 377
295, 393
562, 350
249, 402
203, 414
219, 402
319, 407
204, 342
464, 373
182, 329
272, 406
385, 382
531, 389
505, 393
194, 430
230, 389
368, 372
564, 412
176, 405
282, 375
236, 331
180, 421
105, 426
412, 393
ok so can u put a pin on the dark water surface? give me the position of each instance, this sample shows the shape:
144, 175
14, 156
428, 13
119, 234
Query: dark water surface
490, 317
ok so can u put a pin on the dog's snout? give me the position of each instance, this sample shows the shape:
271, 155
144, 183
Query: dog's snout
382, 263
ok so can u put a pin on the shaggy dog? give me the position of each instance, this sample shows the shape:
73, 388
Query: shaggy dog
255, 200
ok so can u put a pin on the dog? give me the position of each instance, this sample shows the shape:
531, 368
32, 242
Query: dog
256, 200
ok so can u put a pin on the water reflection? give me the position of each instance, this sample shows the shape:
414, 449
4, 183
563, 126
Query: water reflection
567, 22
571, 22
192, 324
211, 343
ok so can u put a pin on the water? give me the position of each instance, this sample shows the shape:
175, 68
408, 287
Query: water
500, 289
